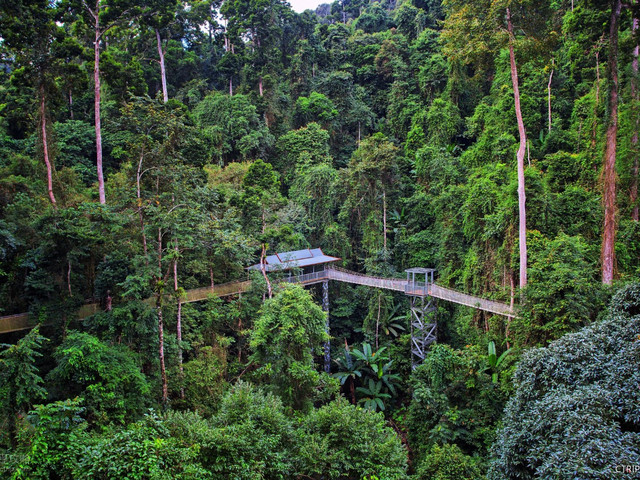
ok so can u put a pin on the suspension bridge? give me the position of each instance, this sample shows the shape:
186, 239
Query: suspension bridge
422, 291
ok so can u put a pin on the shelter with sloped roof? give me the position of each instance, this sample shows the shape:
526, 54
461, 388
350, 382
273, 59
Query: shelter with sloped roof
307, 260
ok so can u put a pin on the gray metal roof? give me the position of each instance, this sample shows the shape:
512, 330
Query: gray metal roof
295, 259
420, 270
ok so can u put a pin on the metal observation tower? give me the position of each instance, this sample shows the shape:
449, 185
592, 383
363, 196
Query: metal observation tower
313, 266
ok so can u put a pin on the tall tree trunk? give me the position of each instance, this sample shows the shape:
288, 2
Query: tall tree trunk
378, 317
635, 98
522, 212
384, 219
231, 86
163, 72
96, 82
597, 78
179, 317
549, 95
159, 293
608, 255
69, 277
139, 199
45, 146
263, 259
260, 86
163, 370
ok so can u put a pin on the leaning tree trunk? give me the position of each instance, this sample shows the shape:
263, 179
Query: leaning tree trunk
45, 146
96, 80
163, 71
608, 255
522, 212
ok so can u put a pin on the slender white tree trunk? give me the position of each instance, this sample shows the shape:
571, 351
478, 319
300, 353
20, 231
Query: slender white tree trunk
140, 215
163, 370
45, 147
384, 219
163, 72
522, 212
549, 96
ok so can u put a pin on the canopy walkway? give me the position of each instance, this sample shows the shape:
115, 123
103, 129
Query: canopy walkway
22, 321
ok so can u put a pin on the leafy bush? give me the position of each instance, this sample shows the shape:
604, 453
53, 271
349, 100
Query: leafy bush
289, 327
55, 429
576, 410
454, 401
563, 293
20, 382
251, 437
448, 462
340, 440
107, 376
204, 381
143, 451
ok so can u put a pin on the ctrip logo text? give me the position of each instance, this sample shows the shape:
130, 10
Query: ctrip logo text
627, 468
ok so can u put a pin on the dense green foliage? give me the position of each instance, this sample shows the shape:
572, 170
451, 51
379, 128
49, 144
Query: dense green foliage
579, 387
289, 327
384, 133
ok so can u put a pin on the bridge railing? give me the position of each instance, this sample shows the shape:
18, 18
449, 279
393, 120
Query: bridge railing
462, 298
218, 290
306, 277
343, 275
22, 321
420, 289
